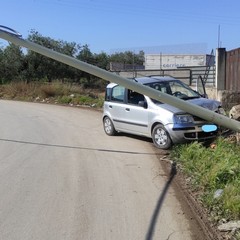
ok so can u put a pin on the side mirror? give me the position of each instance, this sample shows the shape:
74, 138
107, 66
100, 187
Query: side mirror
143, 104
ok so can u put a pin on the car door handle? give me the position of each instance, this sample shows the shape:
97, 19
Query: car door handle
127, 109
110, 106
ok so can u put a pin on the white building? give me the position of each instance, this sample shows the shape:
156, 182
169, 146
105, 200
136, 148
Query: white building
173, 61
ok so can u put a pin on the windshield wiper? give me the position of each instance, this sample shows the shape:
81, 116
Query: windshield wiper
194, 97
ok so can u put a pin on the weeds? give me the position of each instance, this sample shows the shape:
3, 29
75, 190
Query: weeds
52, 93
19, 90
210, 170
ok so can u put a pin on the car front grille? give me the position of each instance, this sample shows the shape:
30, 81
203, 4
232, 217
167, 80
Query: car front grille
200, 135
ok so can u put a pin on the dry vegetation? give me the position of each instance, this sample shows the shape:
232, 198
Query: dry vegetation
56, 93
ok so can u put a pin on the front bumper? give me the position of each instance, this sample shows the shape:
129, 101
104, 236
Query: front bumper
189, 132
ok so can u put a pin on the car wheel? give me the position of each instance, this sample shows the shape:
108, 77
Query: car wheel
108, 126
160, 137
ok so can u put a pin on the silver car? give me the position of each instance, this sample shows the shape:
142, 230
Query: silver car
131, 112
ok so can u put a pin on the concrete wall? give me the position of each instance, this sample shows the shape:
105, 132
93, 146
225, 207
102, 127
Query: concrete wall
211, 92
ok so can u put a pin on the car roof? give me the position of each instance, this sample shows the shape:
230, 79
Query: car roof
153, 79
148, 79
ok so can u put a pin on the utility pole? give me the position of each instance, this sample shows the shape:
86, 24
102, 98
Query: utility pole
219, 35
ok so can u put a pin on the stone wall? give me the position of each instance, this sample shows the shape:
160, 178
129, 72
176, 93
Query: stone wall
228, 98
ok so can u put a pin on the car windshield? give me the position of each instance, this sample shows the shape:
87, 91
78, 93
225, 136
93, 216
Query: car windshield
175, 88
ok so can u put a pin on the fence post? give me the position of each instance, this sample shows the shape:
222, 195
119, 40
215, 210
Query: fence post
220, 77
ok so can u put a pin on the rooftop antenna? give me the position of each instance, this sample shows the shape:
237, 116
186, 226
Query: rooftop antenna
219, 33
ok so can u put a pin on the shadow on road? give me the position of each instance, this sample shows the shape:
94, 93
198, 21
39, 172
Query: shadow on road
78, 147
151, 228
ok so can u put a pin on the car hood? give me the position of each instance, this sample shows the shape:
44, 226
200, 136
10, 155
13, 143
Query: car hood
210, 104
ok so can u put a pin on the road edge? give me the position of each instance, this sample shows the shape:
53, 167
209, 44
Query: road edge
200, 223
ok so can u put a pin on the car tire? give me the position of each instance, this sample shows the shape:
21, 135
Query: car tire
108, 126
160, 137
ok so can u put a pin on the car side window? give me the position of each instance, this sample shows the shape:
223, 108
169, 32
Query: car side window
108, 94
118, 93
134, 97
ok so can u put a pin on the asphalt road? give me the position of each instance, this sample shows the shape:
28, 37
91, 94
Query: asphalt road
61, 177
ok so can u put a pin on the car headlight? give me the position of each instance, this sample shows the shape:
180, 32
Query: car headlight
183, 118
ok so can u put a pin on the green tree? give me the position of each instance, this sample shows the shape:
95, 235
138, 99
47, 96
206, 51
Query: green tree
85, 54
126, 60
102, 60
41, 67
1, 65
12, 62
140, 57
128, 57
31, 66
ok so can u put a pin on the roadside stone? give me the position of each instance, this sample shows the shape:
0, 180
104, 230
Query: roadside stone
235, 112
223, 221
230, 226
218, 193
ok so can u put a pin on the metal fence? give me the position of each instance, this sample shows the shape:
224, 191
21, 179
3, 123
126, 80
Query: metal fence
188, 75
207, 73
233, 70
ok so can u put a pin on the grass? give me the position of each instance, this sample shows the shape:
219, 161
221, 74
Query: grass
211, 169
52, 93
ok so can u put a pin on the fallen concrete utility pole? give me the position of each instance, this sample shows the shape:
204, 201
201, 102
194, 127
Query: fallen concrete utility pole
14, 37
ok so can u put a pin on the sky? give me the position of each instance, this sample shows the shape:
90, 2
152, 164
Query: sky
154, 26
